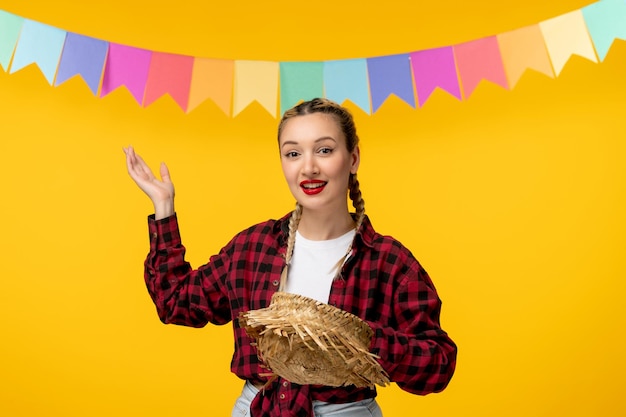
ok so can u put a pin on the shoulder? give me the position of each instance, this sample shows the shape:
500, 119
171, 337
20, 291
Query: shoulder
382, 243
388, 253
268, 230
394, 252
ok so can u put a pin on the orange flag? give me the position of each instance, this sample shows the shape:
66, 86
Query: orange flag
522, 49
212, 79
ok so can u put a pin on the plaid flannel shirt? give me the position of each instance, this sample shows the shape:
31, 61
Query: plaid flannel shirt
382, 283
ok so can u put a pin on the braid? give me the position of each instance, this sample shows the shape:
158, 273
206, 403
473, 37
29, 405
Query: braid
359, 205
294, 220
357, 199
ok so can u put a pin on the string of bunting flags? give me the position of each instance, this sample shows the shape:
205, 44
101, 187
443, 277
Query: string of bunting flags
232, 85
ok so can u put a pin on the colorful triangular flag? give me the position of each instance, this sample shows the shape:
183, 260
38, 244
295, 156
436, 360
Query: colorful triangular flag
434, 68
82, 56
212, 79
39, 44
10, 25
300, 81
565, 36
347, 80
606, 21
126, 66
479, 60
169, 74
255, 80
390, 75
522, 49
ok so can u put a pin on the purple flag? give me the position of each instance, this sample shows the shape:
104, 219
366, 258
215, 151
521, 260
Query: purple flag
434, 68
390, 75
84, 56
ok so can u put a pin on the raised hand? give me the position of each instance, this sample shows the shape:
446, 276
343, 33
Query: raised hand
160, 191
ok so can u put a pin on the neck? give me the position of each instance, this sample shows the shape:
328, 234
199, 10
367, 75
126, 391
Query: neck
325, 226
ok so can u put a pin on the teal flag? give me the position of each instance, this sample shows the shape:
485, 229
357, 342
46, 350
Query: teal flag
300, 81
10, 26
606, 21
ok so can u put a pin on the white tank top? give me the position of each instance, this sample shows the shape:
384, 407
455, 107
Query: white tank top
313, 265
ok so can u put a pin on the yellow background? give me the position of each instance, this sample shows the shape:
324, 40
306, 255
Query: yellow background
514, 201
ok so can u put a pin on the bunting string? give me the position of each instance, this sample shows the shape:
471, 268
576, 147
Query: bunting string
367, 82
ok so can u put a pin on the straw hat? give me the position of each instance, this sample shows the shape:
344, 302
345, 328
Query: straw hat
309, 342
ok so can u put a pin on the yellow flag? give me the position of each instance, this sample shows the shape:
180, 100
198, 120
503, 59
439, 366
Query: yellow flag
256, 80
566, 35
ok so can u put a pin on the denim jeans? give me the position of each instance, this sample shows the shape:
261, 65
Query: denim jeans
364, 408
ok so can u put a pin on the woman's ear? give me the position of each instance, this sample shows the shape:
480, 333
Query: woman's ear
356, 160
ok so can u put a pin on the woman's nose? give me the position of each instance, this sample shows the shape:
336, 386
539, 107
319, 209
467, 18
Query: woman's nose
310, 165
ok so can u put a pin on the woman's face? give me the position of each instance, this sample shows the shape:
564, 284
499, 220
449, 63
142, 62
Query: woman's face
316, 162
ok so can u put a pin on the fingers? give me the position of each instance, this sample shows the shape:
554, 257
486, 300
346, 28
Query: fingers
165, 173
140, 171
130, 160
142, 167
130, 157
128, 151
137, 167
160, 191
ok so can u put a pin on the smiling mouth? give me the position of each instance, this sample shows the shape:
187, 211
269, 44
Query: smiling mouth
312, 187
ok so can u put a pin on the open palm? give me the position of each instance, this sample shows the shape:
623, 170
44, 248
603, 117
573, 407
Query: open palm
160, 191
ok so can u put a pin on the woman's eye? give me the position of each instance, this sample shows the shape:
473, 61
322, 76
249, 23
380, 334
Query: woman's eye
291, 154
326, 150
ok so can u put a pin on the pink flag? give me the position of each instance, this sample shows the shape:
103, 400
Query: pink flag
477, 60
169, 74
434, 68
126, 66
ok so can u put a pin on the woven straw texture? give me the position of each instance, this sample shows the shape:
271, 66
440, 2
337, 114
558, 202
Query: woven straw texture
309, 342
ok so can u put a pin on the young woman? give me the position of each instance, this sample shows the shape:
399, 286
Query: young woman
320, 250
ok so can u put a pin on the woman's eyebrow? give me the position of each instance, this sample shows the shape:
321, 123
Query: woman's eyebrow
323, 138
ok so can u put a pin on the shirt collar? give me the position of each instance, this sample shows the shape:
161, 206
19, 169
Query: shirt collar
366, 233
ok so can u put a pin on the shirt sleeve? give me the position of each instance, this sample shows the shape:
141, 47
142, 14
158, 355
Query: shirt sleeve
416, 353
183, 295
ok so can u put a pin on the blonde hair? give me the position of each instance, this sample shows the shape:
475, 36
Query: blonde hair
346, 123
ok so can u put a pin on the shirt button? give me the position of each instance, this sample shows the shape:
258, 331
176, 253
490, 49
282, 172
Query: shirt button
285, 384
282, 396
275, 283
154, 235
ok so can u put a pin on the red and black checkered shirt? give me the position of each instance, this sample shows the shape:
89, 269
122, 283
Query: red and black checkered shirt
382, 283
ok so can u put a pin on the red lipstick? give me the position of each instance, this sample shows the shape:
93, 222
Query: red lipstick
312, 187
